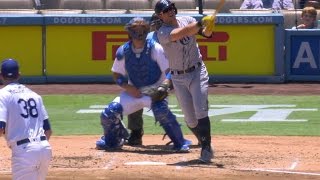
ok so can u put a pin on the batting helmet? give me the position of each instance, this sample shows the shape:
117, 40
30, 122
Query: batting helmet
163, 5
10, 68
138, 28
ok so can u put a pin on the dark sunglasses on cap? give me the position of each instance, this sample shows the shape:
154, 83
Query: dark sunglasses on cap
169, 8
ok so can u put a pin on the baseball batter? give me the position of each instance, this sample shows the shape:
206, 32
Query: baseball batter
143, 62
189, 73
25, 125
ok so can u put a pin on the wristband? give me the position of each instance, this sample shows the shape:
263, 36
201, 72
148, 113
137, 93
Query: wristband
2, 125
120, 81
46, 125
168, 75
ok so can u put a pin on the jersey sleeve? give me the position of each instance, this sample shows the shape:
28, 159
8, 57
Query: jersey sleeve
159, 57
164, 34
43, 110
119, 66
3, 107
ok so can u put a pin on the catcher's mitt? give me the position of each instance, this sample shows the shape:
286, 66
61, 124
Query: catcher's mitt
159, 93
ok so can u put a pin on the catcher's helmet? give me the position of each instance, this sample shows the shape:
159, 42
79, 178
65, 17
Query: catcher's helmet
162, 5
9, 68
113, 111
138, 28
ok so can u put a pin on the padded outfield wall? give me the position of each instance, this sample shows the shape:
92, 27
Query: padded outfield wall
80, 48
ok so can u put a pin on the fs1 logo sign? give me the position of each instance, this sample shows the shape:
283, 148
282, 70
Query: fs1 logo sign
104, 42
305, 59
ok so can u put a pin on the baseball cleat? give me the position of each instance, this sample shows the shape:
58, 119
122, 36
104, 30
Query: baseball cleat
207, 154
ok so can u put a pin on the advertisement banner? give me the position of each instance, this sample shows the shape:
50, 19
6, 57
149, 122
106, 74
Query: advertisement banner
90, 50
304, 56
23, 43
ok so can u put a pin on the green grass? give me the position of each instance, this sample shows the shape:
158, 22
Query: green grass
65, 121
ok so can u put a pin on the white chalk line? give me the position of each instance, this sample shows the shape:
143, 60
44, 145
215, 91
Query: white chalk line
280, 171
293, 165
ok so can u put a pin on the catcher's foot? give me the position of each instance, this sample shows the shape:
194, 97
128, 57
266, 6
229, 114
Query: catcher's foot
101, 145
184, 148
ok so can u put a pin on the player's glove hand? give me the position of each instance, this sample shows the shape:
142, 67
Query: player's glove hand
159, 93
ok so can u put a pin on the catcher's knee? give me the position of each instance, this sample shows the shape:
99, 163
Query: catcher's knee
112, 114
161, 112
111, 118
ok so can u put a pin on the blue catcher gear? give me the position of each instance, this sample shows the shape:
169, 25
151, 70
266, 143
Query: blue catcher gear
142, 71
164, 6
170, 125
115, 131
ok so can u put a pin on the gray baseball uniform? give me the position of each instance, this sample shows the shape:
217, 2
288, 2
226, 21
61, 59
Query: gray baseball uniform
189, 74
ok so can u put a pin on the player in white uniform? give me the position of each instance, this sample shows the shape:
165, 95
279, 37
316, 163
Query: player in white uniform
143, 62
25, 125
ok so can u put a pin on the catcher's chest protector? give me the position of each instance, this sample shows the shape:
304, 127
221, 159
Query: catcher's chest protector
142, 70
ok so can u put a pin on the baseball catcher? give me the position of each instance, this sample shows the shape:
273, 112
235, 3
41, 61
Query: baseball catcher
140, 70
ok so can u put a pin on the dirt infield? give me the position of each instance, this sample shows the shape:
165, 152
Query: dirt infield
236, 157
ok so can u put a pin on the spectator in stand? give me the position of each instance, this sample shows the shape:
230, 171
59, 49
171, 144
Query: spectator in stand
267, 4
315, 4
309, 19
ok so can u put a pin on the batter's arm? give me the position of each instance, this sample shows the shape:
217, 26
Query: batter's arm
189, 30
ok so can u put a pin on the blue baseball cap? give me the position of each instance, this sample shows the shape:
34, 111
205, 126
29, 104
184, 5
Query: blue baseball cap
9, 68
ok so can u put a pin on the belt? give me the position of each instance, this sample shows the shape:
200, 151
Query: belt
189, 70
27, 140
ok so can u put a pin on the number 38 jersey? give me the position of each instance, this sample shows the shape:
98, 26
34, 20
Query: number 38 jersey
23, 112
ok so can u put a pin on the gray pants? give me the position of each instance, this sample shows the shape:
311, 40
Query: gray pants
191, 90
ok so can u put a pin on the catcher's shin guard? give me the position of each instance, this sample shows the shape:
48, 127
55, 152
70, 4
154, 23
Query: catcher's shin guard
170, 125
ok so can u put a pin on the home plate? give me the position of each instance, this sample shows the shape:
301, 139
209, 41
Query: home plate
146, 163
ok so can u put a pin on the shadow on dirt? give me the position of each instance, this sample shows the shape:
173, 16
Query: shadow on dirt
197, 163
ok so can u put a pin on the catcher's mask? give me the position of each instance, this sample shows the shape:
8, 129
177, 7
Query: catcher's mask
155, 22
165, 6
138, 28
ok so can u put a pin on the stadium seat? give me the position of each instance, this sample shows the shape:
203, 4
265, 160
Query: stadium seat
16, 4
50, 4
81, 4
250, 11
180, 4
127, 4
229, 4
106, 11
290, 18
19, 11
61, 11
